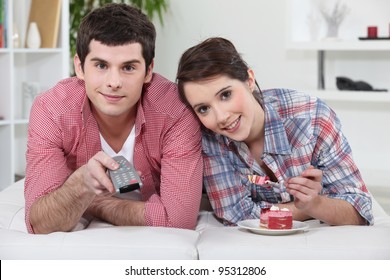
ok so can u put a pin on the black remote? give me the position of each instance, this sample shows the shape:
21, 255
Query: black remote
125, 178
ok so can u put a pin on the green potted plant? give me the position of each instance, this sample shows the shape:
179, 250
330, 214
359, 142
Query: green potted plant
78, 9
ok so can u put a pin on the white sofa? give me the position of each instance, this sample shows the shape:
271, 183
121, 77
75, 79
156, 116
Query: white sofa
210, 239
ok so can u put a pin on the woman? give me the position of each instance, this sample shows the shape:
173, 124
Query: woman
268, 147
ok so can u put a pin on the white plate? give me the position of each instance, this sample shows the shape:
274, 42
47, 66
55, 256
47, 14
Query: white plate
253, 226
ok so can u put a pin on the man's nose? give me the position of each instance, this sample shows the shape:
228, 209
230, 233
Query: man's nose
114, 80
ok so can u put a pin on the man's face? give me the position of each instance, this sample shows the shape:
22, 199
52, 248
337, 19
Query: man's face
114, 77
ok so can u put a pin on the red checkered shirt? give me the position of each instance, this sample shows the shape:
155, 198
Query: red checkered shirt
63, 135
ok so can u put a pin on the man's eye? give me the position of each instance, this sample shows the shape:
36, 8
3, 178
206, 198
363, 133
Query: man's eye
128, 68
101, 65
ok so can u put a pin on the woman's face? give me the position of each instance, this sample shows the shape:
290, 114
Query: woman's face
227, 106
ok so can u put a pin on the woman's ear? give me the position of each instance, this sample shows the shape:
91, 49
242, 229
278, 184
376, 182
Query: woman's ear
78, 69
251, 80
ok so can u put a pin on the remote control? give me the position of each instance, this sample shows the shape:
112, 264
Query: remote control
125, 178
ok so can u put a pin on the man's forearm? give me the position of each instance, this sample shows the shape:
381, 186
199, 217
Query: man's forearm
119, 212
63, 208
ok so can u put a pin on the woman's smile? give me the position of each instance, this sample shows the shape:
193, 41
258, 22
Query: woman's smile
233, 126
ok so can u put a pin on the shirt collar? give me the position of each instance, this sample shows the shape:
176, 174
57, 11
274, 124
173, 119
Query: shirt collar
86, 111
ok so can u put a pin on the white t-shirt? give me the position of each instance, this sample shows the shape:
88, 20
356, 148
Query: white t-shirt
128, 152
127, 149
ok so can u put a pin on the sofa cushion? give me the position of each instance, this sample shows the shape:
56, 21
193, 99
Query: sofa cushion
12, 207
210, 240
125, 243
99, 241
318, 242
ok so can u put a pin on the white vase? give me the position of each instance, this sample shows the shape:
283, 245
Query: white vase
33, 36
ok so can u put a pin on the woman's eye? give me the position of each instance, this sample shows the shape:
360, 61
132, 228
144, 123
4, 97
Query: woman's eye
202, 110
226, 95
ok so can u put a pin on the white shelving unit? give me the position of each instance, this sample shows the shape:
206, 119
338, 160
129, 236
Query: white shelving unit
366, 45
18, 65
364, 115
307, 31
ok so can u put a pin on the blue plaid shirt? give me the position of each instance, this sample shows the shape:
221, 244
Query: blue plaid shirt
300, 131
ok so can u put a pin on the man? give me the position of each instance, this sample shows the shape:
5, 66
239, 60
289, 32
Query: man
115, 106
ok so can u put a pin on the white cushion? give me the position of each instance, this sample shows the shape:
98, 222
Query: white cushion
12, 207
210, 240
318, 242
99, 241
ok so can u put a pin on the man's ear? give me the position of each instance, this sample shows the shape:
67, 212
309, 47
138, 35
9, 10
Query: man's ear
78, 69
251, 80
149, 73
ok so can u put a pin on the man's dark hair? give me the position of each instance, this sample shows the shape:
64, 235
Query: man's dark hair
116, 24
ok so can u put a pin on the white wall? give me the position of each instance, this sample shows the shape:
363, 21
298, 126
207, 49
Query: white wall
260, 29
256, 27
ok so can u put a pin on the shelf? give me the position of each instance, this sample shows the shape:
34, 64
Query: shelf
352, 96
21, 121
25, 50
41, 68
4, 122
41, 50
325, 46
383, 45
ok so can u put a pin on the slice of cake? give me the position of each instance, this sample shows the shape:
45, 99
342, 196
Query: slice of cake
275, 218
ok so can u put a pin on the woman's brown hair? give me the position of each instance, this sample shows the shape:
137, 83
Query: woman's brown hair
213, 57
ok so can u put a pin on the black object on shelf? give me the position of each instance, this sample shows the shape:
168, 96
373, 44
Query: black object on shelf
344, 83
374, 38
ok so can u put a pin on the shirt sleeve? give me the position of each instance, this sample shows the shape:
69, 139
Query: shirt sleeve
341, 176
178, 200
46, 167
225, 184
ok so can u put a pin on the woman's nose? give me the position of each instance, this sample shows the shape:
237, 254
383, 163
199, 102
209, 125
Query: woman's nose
221, 115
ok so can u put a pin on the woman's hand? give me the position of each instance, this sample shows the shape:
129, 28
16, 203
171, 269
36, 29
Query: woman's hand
305, 188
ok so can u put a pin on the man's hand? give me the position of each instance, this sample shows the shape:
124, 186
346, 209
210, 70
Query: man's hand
61, 209
95, 176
